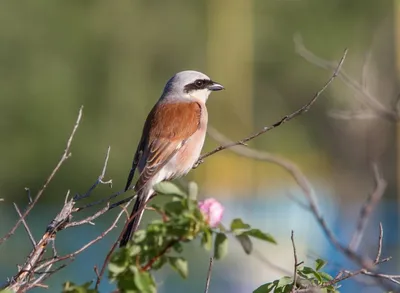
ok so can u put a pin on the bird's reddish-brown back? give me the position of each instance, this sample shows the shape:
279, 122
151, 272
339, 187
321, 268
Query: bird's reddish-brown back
174, 121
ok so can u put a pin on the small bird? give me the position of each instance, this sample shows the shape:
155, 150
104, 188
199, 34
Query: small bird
172, 138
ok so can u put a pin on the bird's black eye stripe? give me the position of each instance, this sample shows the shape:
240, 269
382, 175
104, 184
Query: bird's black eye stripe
198, 84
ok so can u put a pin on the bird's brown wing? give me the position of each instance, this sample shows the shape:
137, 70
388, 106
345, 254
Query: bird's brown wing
166, 130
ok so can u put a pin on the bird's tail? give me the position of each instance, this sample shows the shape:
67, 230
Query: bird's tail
137, 213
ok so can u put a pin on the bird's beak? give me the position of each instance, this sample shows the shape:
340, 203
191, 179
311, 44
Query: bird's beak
215, 86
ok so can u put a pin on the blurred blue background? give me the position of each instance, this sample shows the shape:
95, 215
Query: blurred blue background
114, 58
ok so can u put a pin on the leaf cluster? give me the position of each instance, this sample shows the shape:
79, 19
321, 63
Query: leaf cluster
307, 277
161, 242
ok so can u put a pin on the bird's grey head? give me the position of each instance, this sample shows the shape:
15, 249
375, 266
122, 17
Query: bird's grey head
191, 85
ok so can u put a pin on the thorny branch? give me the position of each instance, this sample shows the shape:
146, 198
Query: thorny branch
35, 264
64, 157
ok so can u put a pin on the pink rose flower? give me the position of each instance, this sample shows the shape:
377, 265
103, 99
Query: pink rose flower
212, 211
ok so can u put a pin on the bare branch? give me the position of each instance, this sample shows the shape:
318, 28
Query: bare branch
26, 226
209, 275
394, 278
362, 95
369, 206
296, 264
84, 247
99, 179
286, 118
89, 219
34, 264
64, 157
28, 193
380, 240
247, 152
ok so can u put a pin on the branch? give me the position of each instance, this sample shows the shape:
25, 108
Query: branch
209, 274
247, 152
25, 278
26, 226
87, 245
283, 120
296, 264
99, 179
64, 157
362, 95
369, 206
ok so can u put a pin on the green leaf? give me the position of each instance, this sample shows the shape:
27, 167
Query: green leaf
325, 276
167, 187
284, 281
119, 261
144, 282
206, 239
134, 250
178, 247
174, 208
319, 264
220, 246
246, 243
115, 268
180, 265
257, 233
70, 287
311, 274
266, 288
139, 236
237, 224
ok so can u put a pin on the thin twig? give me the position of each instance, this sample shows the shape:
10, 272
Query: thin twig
28, 193
26, 226
210, 266
99, 179
362, 96
368, 207
295, 264
89, 219
84, 247
247, 152
286, 118
380, 240
392, 278
107, 199
64, 157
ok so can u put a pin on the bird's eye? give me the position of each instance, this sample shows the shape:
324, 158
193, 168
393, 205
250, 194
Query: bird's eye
199, 83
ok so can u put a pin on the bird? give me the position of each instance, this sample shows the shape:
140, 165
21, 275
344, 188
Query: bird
172, 138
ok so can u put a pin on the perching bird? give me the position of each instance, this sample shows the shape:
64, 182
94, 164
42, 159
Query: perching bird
172, 138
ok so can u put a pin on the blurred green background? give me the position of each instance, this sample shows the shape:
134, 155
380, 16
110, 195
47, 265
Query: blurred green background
114, 58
